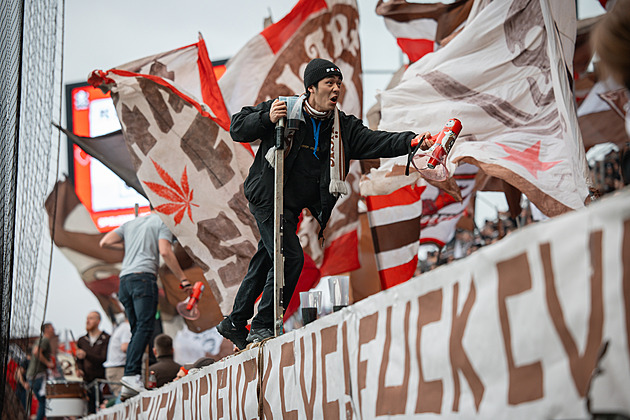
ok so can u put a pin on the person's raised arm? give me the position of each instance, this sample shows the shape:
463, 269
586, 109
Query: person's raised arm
252, 122
112, 240
166, 252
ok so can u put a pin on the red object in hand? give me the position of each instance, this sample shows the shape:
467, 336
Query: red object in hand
444, 142
188, 308
195, 295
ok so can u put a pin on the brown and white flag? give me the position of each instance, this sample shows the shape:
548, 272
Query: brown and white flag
314, 28
505, 78
187, 163
420, 28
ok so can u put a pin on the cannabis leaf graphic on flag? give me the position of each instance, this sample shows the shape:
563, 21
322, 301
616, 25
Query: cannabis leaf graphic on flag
180, 197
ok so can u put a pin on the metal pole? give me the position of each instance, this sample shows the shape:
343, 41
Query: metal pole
278, 252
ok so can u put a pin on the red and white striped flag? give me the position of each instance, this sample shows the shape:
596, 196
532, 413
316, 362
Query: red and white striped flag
420, 28
314, 28
395, 223
405, 211
505, 78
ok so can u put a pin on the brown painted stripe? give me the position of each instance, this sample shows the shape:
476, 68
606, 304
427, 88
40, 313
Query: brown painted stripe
396, 235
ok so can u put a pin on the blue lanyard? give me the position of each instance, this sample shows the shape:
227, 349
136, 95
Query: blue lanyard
316, 134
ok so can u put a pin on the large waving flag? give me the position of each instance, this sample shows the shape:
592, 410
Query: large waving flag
505, 77
314, 28
74, 232
418, 27
272, 63
406, 211
187, 163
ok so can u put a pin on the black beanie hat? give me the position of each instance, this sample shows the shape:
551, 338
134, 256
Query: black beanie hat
319, 69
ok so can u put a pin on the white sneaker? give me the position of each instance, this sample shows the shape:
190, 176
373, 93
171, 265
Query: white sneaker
134, 383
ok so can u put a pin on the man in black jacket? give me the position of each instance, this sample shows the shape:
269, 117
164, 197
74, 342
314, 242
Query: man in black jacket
316, 161
91, 354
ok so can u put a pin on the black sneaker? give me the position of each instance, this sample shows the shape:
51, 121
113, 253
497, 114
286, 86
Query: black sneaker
237, 335
259, 334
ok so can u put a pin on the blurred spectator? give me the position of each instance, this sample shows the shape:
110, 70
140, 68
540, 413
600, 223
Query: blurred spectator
166, 368
611, 42
91, 354
41, 360
22, 387
117, 355
194, 367
606, 174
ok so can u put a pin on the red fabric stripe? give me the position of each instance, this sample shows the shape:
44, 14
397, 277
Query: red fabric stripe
101, 77
401, 197
415, 48
342, 255
279, 33
210, 92
395, 275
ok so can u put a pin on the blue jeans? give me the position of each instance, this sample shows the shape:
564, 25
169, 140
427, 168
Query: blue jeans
36, 384
139, 295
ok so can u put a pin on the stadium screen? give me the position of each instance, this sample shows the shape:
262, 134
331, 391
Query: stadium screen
107, 198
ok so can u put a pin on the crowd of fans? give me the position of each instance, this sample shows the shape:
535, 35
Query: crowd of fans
96, 360
465, 241
608, 174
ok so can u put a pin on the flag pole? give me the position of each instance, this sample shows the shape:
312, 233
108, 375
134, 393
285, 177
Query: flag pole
278, 234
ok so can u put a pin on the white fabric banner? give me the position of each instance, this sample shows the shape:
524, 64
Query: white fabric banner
516, 330
505, 78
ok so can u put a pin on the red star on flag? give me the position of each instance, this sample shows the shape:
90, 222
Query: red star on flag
529, 158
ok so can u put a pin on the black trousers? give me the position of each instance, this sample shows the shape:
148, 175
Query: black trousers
259, 277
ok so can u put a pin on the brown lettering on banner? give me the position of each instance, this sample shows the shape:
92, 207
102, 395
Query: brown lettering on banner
185, 396
308, 403
251, 373
221, 383
163, 400
582, 367
526, 382
203, 385
159, 405
170, 413
346, 369
459, 358
210, 395
237, 390
430, 393
329, 345
287, 359
230, 393
392, 399
266, 408
205, 388
367, 333
625, 260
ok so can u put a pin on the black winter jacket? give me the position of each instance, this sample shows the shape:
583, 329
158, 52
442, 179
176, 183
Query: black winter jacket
359, 142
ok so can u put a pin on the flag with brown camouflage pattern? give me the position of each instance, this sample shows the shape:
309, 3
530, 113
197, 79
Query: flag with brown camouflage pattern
188, 165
